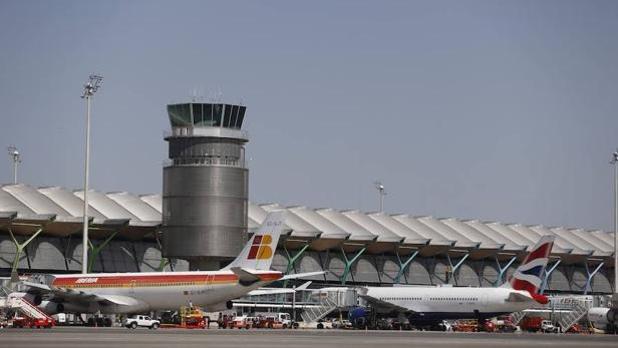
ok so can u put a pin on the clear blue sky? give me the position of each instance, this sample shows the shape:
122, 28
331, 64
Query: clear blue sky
498, 110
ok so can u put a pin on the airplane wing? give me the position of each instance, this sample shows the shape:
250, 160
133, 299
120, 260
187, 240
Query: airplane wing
247, 278
302, 275
71, 295
381, 305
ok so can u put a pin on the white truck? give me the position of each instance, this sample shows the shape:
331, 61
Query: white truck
286, 320
141, 320
548, 327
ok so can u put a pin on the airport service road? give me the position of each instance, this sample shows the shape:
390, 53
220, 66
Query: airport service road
64, 337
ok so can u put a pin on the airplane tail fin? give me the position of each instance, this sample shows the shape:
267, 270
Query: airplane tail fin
259, 251
528, 276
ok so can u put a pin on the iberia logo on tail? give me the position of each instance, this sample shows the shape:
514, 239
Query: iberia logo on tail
260, 248
258, 252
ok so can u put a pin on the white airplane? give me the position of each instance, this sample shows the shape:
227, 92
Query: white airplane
431, 305
125, 293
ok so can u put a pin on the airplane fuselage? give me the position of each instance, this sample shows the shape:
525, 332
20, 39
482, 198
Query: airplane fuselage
433, 304
143, 292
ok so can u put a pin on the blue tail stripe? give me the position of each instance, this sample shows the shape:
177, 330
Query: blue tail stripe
534, 271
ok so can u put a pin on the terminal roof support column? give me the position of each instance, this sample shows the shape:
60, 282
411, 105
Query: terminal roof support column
19, 248
96, 249
292, 260
547, 275
591, 276
164, 260
502, 270
403, 266
115, 225
455, 268
349, 263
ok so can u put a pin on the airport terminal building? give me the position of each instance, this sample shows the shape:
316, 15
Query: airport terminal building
203, 217
40, 231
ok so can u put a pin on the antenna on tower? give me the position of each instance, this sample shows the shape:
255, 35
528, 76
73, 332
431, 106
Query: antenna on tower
16, 158
219, 95
382, 192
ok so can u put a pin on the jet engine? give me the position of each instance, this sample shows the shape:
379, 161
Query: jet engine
603, 318
51, 307
221, 306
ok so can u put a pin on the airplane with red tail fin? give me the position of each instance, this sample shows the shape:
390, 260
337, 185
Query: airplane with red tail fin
127, 293
431, 305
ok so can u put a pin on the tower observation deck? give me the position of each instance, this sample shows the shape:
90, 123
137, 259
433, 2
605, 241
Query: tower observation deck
205, 184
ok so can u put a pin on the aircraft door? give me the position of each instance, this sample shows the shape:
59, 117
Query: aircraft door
484, 299
132, 287
209, 282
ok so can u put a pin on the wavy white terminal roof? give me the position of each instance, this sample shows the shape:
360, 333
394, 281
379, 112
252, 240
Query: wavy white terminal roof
351, 226
410, 236
512, 241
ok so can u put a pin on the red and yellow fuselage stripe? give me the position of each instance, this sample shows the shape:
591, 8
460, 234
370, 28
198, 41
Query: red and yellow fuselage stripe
134, 281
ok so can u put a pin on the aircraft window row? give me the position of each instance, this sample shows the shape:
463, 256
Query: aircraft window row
401, 298
453, 299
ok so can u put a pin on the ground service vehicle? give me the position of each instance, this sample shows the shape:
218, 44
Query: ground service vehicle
549, 327
285, 320
466, 326
192, 318
141, 320
531, 324
241, 322
575, 328
504, 324
21, 322
342, 324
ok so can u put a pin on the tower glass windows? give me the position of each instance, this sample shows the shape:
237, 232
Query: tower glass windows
217, 111
180, 115
228, 116
198, 112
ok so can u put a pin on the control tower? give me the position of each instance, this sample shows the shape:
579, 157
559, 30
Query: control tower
205, 184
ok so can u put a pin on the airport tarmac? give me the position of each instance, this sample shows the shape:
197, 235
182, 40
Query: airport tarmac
66, 337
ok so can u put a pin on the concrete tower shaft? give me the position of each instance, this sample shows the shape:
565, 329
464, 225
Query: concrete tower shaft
205, 184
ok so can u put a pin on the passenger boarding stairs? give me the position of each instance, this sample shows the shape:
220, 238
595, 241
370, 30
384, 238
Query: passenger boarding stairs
579, 309
329, 300
313, 314
10, 301
517, 317
569, 310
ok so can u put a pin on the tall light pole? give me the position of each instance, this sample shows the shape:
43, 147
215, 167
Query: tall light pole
614, 161
381, 193
16, 158
93, 84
